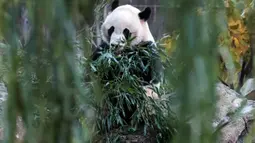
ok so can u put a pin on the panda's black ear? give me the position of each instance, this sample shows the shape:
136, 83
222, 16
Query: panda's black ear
145, 14
115, 4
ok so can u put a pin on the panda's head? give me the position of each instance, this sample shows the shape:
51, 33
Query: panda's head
124, 22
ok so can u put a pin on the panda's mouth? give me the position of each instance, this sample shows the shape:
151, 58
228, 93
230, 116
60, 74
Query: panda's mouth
118, 50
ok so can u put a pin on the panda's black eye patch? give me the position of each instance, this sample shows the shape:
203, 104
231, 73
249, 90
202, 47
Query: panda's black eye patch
110, 31
126, 33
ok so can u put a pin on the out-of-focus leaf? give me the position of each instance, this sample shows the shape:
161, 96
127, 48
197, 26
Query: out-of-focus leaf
236, 39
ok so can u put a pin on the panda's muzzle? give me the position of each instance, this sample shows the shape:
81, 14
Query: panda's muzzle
120, 43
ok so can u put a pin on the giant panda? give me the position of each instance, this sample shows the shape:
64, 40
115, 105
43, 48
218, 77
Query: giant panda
127, 21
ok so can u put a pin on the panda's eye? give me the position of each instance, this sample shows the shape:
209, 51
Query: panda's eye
110, 31
126, 33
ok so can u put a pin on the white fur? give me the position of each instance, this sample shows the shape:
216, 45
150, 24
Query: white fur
126, 16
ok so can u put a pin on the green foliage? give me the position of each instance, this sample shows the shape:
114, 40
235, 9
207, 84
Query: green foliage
46, 83
234, 42
42, 78
124, 103
195, 88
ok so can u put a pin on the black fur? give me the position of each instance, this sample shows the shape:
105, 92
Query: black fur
114, 5
97, 52
110, 31
145, 14
126, 33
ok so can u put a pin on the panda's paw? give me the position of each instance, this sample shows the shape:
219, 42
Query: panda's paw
150, 92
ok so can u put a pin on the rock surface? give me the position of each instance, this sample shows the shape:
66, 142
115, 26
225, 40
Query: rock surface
248, 89
20, 128
3, 92
230, 101
3, 97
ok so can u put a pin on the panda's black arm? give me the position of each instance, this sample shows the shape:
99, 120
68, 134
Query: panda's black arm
97, 51
156, 66
157, 71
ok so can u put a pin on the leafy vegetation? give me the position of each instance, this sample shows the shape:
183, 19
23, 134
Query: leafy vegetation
234, 42
123, 102
63, 96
